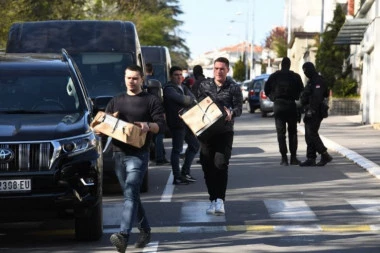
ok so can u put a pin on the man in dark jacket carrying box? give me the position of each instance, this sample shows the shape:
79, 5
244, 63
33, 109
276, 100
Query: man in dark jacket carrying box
216, 150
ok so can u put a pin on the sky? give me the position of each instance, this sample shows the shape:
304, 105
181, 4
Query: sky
207, 23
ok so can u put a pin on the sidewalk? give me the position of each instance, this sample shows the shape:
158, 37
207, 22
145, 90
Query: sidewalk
347, 136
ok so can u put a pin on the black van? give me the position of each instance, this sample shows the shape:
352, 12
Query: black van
101, 49
159, 57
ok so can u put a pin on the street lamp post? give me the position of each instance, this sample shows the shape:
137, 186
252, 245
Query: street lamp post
245, 58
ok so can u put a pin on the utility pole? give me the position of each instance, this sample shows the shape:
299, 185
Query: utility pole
322, 19
289, 25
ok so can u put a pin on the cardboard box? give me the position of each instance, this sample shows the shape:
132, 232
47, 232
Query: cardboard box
119, 129
204, 119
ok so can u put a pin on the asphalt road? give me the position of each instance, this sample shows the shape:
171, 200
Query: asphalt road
269, 208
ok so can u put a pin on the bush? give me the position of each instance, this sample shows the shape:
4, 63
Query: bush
345, 88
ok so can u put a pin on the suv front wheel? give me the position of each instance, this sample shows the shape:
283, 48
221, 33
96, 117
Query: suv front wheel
89, 227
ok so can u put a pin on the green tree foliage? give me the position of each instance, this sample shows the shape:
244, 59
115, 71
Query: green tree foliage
156, 20
239, 70
330, 57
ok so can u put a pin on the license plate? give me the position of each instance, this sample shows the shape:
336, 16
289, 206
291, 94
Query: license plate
15, 185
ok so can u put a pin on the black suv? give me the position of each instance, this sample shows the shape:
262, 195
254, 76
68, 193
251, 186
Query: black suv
50, 159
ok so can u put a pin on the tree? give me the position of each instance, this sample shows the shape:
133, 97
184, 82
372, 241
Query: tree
156, 20
277, 41
239, 70
330, 57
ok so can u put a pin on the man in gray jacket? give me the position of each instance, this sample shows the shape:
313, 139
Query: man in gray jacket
176, 98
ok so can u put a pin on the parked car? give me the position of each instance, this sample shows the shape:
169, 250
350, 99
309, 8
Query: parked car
244, 89
50, 160
257, 98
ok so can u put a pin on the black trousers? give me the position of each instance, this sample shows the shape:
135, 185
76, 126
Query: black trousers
214, 156
313, 141
285, 114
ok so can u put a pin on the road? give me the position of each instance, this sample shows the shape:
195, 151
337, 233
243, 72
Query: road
269, 208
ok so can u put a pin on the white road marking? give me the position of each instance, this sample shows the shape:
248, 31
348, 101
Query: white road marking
194, 212
289, 210
297, 228
151, 247
167, 194
369, 207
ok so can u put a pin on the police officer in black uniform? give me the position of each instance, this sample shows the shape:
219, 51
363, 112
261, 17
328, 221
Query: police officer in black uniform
312, 98
284, 87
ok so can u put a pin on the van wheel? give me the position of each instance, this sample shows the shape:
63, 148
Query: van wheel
264, 114
89, 227
144, 185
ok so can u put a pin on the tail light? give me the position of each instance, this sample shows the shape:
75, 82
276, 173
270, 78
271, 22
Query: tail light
262, 95
251, 93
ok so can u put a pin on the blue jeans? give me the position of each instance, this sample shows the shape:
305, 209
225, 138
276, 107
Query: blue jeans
179, 135
130, 171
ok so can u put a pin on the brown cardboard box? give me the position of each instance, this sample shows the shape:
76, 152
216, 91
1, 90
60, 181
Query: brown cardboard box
118, 129
204, 119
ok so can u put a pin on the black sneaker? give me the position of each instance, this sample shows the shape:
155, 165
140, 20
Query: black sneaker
120, 241
325, 158
189, 178
180, 181
294, 160
143, 239
308, 162
284, 161
162, 162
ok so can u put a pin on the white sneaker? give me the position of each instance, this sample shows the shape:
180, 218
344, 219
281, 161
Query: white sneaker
211, 209
219, 207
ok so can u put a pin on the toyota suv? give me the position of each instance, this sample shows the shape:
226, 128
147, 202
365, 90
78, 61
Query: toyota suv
50, 159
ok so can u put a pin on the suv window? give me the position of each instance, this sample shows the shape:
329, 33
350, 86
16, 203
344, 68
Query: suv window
38, 92
257, 86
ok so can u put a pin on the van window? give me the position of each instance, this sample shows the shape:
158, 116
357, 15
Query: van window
159, 73
103, 73
36, 91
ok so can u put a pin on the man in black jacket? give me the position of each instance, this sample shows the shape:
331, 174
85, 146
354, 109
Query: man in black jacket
313, 96
284, 87
216, 151
199, 77
177, 97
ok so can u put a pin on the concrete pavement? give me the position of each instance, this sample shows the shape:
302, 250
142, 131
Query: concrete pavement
347, 136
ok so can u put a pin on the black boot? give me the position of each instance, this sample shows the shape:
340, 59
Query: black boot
143, 239
284, 161
308, 162
325, 158
294, 160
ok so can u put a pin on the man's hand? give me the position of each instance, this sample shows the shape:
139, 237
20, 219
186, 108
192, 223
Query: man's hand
143, 125
229, 114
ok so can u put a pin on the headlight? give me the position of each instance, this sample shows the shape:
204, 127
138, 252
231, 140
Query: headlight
78, 144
